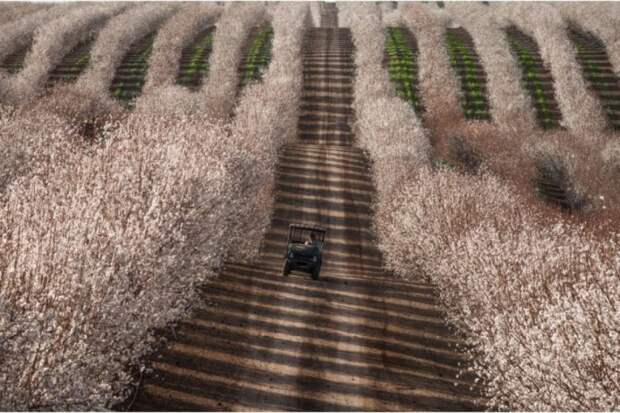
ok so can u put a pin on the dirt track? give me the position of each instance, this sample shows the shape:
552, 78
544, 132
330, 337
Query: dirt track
357, 339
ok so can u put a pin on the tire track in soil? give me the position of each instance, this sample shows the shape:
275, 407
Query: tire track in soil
356, 339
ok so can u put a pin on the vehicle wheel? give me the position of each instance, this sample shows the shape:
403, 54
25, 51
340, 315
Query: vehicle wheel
286, 269
315, 272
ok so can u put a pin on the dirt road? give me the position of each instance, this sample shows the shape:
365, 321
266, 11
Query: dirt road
357, 339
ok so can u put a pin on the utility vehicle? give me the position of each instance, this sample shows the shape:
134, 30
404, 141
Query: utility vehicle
304, 249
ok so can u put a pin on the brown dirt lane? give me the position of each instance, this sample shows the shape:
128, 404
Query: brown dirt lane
357, 339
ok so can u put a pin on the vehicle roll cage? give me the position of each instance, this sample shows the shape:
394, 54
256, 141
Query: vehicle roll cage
298, 233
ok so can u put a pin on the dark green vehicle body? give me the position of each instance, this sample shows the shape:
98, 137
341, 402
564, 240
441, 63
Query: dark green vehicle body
302, 255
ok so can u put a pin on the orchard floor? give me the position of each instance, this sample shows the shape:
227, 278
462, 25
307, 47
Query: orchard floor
356, 339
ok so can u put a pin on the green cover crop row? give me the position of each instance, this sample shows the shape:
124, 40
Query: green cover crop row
401, 55
73, 64
464, 60
195, 61
130, 76
14, 63
534, 73
257, 58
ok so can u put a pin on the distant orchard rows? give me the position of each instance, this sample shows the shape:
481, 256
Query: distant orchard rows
536, 79
124, 50
44, 45
525, 73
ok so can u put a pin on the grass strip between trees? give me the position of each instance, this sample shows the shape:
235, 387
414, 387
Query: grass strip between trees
465, 62
195, 61
539, 88
131, 74
401, 54
258, 57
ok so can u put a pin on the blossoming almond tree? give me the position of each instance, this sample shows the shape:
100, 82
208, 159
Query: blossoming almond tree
535, 295
174, 35
524, 146
91, 88
19, 33
260, 130
386, 126
598, 18
438, 85
50, 44
230, 37
510, 107
102, 245
161, 94
118, 233
536, 300
13, 11
581, 110
28, 137
105, 240
115, 39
